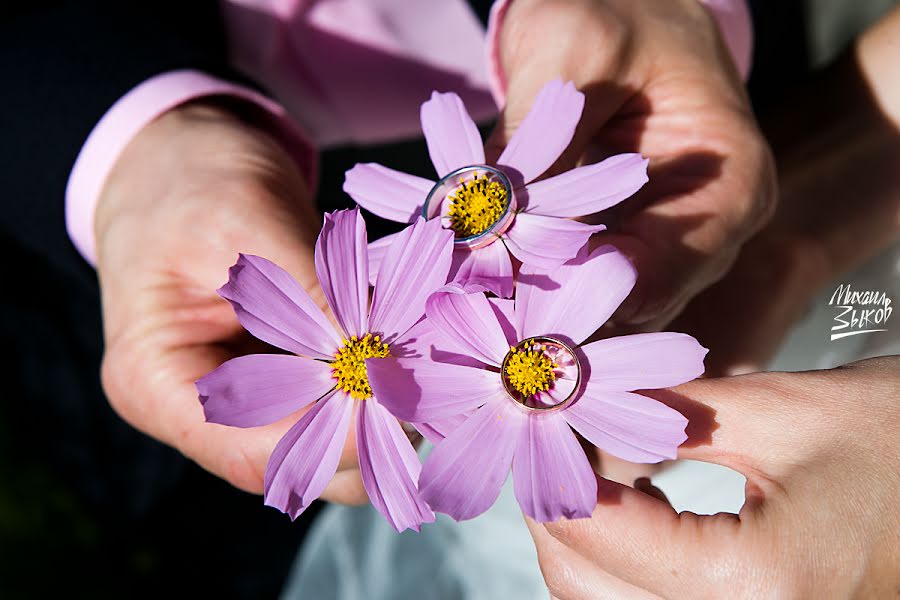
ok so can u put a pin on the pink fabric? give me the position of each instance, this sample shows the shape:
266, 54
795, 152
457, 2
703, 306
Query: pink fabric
732, 16
355, 71
135, 110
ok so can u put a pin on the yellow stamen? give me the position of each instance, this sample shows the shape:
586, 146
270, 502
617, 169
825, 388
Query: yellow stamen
349, 364
529, 370
476, 206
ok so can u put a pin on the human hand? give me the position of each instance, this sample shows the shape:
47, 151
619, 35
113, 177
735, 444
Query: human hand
658, 80
840, 197
192, 190
819, 452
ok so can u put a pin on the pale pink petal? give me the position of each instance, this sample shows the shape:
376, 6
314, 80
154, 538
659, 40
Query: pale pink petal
552, 477
452, 137
627, 425
342, 265
258, 389
489, 266
589, 189
572, 301
463, 475
436, 431
470, 324
547, 241
307, 457
388, 193
644, 361
415, 265
377, 250
420, 390
272, 306
389, 468
544, 132
505, 311
424, 341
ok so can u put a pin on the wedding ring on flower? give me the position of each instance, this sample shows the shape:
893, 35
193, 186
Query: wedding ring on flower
477, 202
541, 374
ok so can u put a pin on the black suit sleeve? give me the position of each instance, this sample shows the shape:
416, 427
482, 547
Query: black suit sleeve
63, 65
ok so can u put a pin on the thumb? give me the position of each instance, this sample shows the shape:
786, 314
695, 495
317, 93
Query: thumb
549, 119
642, 541
638, 538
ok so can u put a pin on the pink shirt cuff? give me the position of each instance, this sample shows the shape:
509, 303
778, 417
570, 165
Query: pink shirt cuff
136, 109
732, 17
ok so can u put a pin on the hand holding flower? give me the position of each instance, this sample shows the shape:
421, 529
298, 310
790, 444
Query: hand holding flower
820, 519
657, 80
193, 189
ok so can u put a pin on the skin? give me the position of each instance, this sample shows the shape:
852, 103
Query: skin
658, 80
820, 519
840, 205
194, 188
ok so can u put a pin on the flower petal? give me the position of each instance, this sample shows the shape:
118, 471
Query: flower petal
552, 477
644, 361
389, 468
272, 306
307, 457
420, 390
574, 300
544, 133
436, 431
343, 269
463, 475
489, 266
589, 189
630, 426
547, 241
390, 194
258, 389
377, 251
505, 310
469, 323
415, 265
452, 137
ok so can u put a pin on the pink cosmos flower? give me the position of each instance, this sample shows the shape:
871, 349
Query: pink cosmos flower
520, 366
495, 211
328, 365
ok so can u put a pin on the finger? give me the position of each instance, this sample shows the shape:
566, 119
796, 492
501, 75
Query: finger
597, 73
643, 542
602, 100
570, 576
744, 317
346, 488
171, 412
684, 229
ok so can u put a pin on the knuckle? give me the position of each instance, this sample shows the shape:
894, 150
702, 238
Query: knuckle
583, 22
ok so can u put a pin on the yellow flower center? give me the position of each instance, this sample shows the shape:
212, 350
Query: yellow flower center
349, 364
529, 370
476, 206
